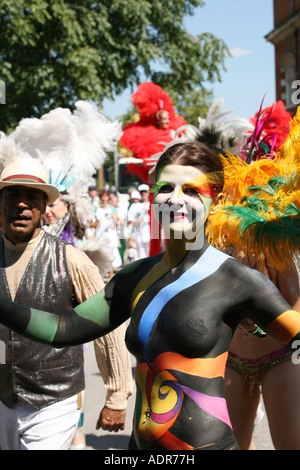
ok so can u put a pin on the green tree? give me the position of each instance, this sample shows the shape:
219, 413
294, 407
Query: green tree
55, 52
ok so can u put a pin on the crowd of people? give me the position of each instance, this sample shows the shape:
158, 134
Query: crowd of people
212, 327
125, 219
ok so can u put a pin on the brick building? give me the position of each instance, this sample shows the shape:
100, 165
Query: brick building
286, 38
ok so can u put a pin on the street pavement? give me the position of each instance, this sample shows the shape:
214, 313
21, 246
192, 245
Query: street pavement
103, 440
94, 400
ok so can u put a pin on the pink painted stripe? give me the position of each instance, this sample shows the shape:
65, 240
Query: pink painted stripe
215, 406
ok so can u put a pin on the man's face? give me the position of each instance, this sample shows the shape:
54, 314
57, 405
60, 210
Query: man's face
22, 209
163, 120
93, 193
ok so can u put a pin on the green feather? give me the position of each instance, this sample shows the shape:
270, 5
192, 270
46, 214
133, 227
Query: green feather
279, 236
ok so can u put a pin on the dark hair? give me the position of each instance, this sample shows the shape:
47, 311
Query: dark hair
195, 154
103, 192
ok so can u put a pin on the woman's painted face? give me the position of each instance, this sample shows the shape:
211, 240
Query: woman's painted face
56, 211
183, 196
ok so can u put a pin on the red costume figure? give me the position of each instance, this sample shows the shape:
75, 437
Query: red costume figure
156, 126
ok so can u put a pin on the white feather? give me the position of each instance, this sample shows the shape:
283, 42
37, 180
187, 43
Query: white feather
100, 252
9, 149
81, 208
75, 143
230, 128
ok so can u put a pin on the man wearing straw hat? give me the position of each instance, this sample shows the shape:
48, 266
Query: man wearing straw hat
40, 387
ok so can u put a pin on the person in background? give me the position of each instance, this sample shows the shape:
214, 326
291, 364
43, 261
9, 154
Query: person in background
143, 189
121, 222
95, 202
93, 197
134, 200
258, 366
41, 387
139, 222
130, 191
107, 227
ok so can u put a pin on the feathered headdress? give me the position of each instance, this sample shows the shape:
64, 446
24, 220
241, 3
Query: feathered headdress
71, 146
271, 127
151, 98
259, 213
143, 138
276, 124
9, 149
291, 146
219, 129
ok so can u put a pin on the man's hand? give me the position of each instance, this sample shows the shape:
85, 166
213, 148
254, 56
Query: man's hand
111, 420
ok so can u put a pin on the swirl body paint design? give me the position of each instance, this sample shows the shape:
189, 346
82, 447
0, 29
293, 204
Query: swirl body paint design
165, 396
169, 382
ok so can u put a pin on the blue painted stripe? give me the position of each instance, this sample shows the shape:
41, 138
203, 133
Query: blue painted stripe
206, 265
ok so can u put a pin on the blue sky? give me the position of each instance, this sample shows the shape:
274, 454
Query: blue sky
242, 24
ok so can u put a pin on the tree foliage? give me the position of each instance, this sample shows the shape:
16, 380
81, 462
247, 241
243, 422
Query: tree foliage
55, 52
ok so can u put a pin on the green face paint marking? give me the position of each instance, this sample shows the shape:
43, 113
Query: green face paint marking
157, 186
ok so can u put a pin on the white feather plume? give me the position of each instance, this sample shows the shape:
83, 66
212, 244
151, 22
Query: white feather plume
230, 127
100, 252
9, 149
80, 207
69, 144
228, 131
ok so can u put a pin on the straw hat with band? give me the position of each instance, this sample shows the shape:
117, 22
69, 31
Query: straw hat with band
30, 173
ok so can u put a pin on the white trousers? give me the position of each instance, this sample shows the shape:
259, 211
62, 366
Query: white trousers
51, 428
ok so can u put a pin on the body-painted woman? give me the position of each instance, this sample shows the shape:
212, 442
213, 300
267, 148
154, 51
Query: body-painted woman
184, 306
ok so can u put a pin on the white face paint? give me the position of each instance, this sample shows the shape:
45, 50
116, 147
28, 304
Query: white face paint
179, 203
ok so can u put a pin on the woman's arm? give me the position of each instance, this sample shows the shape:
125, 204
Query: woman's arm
287, 282
95, 317
86, 322
271, 311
